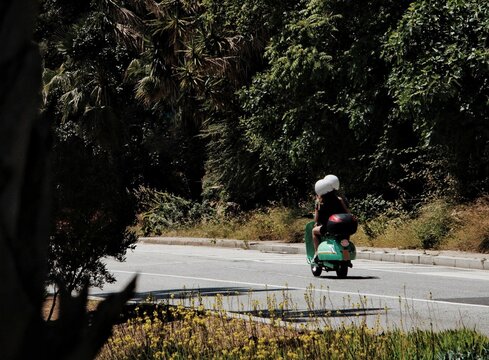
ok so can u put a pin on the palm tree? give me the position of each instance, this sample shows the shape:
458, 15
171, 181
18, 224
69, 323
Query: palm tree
194, 61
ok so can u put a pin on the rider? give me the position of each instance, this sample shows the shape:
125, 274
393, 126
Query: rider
328, 202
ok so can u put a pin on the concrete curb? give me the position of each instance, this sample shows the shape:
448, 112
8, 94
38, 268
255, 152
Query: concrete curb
463, 260
426, 259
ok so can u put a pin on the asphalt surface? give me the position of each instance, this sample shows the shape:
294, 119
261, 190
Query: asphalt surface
395, 289
457, 259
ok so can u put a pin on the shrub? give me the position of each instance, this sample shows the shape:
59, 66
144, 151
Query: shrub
91, 212
370, 207
161, 211
377, 215
427, 228
433, 225
273, 223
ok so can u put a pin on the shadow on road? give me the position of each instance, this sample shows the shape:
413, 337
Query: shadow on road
176, 294
308, 315
334, 277
145, 301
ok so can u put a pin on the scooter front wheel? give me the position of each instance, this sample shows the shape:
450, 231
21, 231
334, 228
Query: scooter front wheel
316, 270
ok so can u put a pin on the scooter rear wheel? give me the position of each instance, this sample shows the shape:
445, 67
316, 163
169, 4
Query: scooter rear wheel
342, 271
316, 270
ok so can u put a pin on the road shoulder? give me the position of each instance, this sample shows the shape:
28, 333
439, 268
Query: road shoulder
457, 259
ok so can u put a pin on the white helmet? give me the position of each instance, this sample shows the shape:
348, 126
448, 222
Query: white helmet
326, 185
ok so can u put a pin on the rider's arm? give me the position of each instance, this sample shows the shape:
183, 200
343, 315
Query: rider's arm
316, 212
344, 205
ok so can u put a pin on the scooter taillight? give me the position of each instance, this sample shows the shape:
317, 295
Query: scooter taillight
345, 243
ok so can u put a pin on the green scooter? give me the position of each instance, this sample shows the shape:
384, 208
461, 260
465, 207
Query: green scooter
335, 251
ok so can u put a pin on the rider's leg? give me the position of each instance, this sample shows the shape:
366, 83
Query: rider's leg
316, 235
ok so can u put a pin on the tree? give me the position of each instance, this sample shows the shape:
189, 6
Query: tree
233, 171
169, 76
198, 54
284, 117
321, 105
93, 210
85, 103
440, 84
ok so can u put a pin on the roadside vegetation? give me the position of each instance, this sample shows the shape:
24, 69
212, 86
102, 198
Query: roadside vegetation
437, 224
160, 331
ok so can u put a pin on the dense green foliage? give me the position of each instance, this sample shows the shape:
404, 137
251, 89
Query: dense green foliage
83, 102
249, 102
253, 101
439, 80
160, 211
321, 105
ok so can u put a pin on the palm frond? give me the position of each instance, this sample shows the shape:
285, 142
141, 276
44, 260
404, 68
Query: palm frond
97, 95
121, 14
151, 90
130, 36
128, 27
137, 70
70, 103
59, 79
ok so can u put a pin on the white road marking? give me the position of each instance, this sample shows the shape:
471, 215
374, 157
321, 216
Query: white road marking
271, 257
468, 276
389, 267
427, 301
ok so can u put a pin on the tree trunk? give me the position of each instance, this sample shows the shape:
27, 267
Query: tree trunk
24, 212
23, 177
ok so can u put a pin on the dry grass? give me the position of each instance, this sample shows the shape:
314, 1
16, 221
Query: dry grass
276, 223
438, 225
399, 236
471, 227
46, 308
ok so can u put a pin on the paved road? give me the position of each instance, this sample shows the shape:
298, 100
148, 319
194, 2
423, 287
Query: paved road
391, 294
